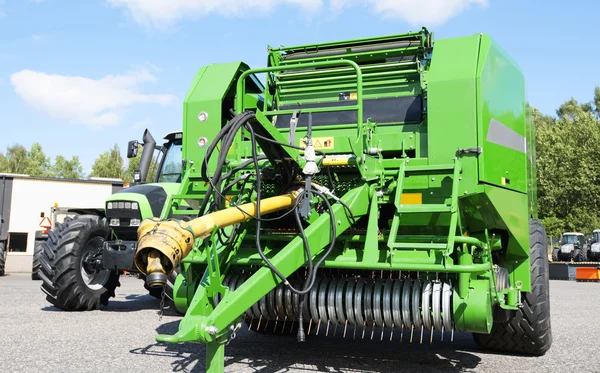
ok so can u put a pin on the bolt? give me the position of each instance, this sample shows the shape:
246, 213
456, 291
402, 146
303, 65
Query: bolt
466, 192
212, 330
460, 178
433, 179
411, 136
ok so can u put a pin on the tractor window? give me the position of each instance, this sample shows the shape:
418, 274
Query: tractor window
596, 236
170, 171
570, 239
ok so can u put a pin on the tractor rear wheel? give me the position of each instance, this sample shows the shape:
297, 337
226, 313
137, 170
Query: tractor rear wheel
578, 255
35, 266
69, 280
528, 330
556, 255
2, 258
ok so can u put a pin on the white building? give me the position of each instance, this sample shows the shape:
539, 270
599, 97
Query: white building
24, 198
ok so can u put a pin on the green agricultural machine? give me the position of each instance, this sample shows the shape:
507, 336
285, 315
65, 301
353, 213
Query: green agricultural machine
82, 258
381, 185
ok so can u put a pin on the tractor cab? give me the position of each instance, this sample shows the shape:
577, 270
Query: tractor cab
159, 163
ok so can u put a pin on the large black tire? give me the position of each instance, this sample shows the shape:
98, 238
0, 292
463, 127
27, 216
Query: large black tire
556, 255
528, 331
67, 282
2, 258
35, 265
578, 255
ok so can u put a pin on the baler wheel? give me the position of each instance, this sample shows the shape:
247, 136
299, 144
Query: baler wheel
578, 255
35, 266
66, 279
528, 331
2, 258
556, 255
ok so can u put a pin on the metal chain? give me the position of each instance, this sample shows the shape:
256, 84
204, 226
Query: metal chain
162, 304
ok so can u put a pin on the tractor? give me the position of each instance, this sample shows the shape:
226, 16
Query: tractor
594, 253
81, 259
572, 246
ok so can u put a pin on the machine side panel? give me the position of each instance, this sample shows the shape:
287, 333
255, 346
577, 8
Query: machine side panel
501, 118
451, 97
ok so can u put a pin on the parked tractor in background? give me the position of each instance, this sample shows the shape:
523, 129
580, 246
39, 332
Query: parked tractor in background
572, 246
594, 253
82, 258
385, 183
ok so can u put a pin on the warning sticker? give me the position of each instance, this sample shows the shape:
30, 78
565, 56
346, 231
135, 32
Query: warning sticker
319, 142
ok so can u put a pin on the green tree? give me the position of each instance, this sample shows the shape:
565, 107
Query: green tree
68, 169
15, 161
568, 170
109, 164
39, 163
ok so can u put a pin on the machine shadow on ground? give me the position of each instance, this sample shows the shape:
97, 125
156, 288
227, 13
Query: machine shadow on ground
282, 353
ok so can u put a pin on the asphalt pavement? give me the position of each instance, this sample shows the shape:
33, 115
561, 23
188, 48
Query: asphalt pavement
37, 337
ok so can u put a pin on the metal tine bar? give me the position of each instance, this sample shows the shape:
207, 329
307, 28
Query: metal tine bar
382, 329
327, 330
392, 333
309, 326
335, 326
412, 329
275, 327
354, 333
364, 327
373, 330
251, 321
283, 327
452, 336
259, 321
318, 327
421, 341
402, 333
442, 333
431, 335
345, 327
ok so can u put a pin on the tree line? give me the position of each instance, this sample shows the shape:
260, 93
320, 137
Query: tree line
567, 160
34, 162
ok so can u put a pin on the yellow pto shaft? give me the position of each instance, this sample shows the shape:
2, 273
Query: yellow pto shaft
163, 243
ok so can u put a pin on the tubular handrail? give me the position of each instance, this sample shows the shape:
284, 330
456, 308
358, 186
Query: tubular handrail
241, 84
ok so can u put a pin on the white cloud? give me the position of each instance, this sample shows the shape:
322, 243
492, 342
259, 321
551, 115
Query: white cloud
93, 102
417, 13
421, 13
164, 12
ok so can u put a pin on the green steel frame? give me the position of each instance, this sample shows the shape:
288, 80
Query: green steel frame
465, 158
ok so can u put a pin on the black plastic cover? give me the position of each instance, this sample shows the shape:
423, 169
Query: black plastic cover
406, 109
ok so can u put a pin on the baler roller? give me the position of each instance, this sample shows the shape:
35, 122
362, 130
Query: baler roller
404, 303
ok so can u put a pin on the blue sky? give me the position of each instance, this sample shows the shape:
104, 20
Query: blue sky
80, 76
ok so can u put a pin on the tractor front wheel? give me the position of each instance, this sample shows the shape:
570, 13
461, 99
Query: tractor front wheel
528, 330
578, 255
69, 277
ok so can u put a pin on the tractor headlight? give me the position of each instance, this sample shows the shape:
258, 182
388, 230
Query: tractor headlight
109, 205
114, 222
134, 222
134, 205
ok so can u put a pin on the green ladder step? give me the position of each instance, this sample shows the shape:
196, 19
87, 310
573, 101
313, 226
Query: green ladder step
424, 208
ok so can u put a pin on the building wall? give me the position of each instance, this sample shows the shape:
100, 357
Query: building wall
30, 197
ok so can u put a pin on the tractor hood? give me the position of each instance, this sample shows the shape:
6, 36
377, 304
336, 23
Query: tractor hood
151, 198
567, 248
596, 247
